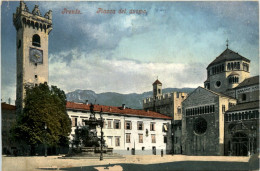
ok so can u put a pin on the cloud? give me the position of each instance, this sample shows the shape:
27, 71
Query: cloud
125, 53
122, 76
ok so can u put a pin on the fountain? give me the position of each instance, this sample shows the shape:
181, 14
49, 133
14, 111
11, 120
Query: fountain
86, 137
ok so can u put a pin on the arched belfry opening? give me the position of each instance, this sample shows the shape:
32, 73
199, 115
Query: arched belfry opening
36, 40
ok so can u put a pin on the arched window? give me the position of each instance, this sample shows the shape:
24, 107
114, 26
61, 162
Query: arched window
229, 117
246, 115
36, 40
237, 79
250, 115
232, 66
236, 116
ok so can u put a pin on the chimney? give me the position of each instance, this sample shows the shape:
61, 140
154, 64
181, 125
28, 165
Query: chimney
123, 106
86, 102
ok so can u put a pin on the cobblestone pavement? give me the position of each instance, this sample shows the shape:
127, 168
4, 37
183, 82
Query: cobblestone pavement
136, 163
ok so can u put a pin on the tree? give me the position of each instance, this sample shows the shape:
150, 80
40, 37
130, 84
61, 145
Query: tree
43, 105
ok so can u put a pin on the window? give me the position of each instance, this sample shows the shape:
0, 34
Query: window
245, 67
128, 138
117, 124
140, 125
159, 91
153, 138
74, 121
128, 125
243, 97
109, 123
226, 118
140, 138
35, 76
117, 141
152, 126
218, 84
36, 40
143, 148
164, 139
223, 108
165, 127
239, 116
179, 110
228, 66
127, 148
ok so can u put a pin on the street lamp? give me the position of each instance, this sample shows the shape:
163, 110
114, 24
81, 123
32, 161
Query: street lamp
101, 143
45, 127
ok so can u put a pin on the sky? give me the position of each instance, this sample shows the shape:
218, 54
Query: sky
125, 53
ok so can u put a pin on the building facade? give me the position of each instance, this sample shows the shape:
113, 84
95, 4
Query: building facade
203, 122
222, 118
32, 35
125, 129
169, 104
242, 120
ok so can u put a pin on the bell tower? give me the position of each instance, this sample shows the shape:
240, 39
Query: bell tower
157, 88
32, 33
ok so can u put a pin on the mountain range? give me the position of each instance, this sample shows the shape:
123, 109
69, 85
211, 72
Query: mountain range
132, 100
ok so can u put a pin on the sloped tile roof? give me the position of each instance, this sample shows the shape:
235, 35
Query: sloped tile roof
227, 55
6, 106
157, 82
244, 106
116, 110
233, 73
249, 81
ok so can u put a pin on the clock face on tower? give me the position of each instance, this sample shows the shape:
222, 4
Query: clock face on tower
36, 56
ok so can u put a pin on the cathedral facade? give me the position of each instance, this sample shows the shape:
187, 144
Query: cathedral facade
222, 118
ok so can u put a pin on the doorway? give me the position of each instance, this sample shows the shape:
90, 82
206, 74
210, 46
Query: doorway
239, 144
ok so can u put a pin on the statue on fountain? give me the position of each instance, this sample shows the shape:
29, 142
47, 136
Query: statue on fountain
86, 138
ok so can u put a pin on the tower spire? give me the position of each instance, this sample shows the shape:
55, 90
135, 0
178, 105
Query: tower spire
227, 43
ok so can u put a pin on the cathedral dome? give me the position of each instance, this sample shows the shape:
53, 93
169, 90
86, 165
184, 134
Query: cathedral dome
228, 55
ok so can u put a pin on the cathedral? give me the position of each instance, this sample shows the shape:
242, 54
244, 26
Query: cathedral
223, 117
